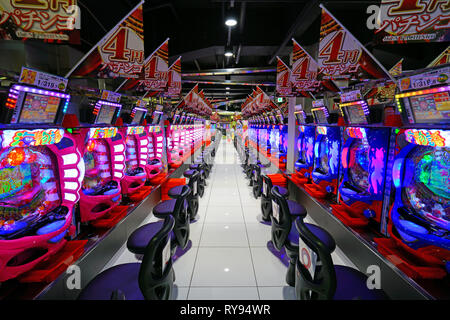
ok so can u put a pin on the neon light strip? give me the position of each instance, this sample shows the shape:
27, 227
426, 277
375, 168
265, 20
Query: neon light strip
40, 91
421, 92
362, 103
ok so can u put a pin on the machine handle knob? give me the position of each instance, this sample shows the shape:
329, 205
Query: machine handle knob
329, 189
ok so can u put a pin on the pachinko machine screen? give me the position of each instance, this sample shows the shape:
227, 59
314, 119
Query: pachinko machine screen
320, 115
28, 186
106, 114
39, 108
137, 119
428, 193
359, 165
433, 107
300, 115
355, 114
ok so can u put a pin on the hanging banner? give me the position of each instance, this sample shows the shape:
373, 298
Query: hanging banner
120, 54
397, 69
284, 85
341, 56
443, 58
174, 79
154, 75
48, 20
304, 73
413, 21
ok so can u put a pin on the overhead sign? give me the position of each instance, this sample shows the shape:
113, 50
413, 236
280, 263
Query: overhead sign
47, 20
413, 21
42, 79
120, 54
426, 79
342, 56
174, 79
284, 85
111, 96
154, 75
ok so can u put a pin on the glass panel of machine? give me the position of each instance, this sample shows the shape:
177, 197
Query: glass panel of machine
131, 155
98, 167
320, 116
428, 191
106, 114
138, 117
324, 156
356, 114
358, 172
28, 186
39, 108
432, 107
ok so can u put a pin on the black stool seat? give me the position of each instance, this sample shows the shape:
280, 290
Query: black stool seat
346, 278
136, 243
175, 192
194, 166
165, 208
283, 191
123, 277
188, 173
295, 208
319, 232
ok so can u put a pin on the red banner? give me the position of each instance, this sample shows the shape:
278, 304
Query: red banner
284, 85
155, 74
304, 73
174, 79
120, 54
403, 21
341, 56
397, 69
48, 20
443, 58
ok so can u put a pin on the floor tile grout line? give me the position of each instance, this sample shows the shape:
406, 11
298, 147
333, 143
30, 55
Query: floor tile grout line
249, 247
199, 240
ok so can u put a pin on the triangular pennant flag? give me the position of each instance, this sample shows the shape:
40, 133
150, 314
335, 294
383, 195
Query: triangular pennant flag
154, 75
304, 73
397, 69
120, 54
443, 58
342, 56
284, 85
174, 79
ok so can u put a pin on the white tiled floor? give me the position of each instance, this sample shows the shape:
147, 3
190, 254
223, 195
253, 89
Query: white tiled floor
229, 258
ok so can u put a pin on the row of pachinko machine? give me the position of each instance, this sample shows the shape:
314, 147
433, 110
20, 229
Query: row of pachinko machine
63, 175
381, 164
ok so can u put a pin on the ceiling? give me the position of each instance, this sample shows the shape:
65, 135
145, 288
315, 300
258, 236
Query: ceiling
265, 27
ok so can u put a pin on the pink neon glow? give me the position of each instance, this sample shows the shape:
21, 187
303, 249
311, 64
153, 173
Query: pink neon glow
377, 165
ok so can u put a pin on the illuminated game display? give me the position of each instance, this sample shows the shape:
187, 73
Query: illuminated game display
155, 161
103, 152
419, 217
326, 155
40, 180
136, 154
305, 146
363, 164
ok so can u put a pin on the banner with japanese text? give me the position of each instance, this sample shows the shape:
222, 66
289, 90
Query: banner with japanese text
174, 79
397, 69
304, 73
49, 20
284, 85
155, 74
341, 56
120, 54
403, 21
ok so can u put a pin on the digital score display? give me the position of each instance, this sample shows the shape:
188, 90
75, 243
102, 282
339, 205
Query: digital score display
106, 114
39, 108
431, 108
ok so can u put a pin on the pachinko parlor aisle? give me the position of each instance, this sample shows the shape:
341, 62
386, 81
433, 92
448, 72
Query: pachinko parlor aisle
209, 159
